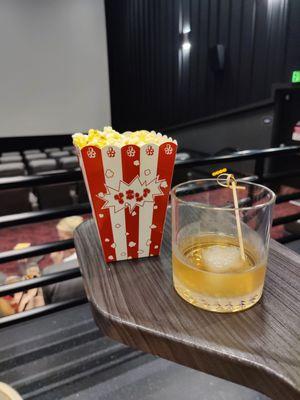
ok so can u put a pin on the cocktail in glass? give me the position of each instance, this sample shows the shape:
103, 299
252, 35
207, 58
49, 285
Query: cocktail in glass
209, 270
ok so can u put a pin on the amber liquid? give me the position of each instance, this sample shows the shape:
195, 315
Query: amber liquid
209, 273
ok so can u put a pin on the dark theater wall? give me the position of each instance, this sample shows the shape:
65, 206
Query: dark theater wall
155, 84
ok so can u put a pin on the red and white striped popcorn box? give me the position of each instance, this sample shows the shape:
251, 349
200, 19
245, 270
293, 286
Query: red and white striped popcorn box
128, 188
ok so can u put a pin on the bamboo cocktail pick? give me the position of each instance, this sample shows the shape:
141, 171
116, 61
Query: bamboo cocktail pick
229, 181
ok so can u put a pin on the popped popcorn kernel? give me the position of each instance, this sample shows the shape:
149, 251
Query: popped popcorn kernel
111, 137
79, 140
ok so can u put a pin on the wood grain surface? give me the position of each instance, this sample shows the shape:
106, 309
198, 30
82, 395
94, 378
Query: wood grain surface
135, 303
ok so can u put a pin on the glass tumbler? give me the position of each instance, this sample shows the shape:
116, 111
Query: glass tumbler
209, 269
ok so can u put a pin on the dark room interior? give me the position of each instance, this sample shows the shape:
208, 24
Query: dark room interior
150, 199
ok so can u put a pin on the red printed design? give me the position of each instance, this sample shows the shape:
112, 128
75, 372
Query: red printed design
131, 170
95, 183
132, 194
166, 160
111, 152
150, 150
129, 190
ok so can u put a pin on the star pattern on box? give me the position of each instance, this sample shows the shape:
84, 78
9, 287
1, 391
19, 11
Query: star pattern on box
132, 194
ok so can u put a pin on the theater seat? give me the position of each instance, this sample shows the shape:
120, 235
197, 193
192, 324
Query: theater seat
35, 156
10, 159
10, 153
12, 169
51, 150
13, 200
188, 173
62, 291
38, 166
82, 193
68, 148
54, 195
32, 151
70, 162
58, 154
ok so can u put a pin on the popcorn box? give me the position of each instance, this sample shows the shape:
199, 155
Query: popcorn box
128, 188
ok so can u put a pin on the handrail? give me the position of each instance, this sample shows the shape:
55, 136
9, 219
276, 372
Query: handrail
43, 215
40, 311
282, 198
240, 156
39, 281
41, 249
85, 208
286, 219
46, 248
289, 238
43, 179
63, 176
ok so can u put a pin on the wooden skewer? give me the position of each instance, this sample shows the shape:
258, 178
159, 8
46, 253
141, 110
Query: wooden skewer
237, 217
231, 183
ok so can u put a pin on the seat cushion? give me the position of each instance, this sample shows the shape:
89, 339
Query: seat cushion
69, 162
14, 201
55, 195
32, 151
51, 150
10, 153
67, 290
35, 156
68, 148
82, 193
59, 154
36, 166
10, 159
12, 169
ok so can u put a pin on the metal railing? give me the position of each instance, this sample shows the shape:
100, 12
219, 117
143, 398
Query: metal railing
40, 311
43, 215
259, 156
38, 250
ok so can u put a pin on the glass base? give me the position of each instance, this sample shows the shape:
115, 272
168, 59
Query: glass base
215, 304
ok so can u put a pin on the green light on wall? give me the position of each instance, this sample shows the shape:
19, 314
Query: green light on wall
296, 77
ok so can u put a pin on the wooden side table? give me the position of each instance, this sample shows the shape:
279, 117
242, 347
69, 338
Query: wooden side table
134, 302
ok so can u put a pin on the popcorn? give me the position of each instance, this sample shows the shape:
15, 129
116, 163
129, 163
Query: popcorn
79, 140
109, 137
128, 178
